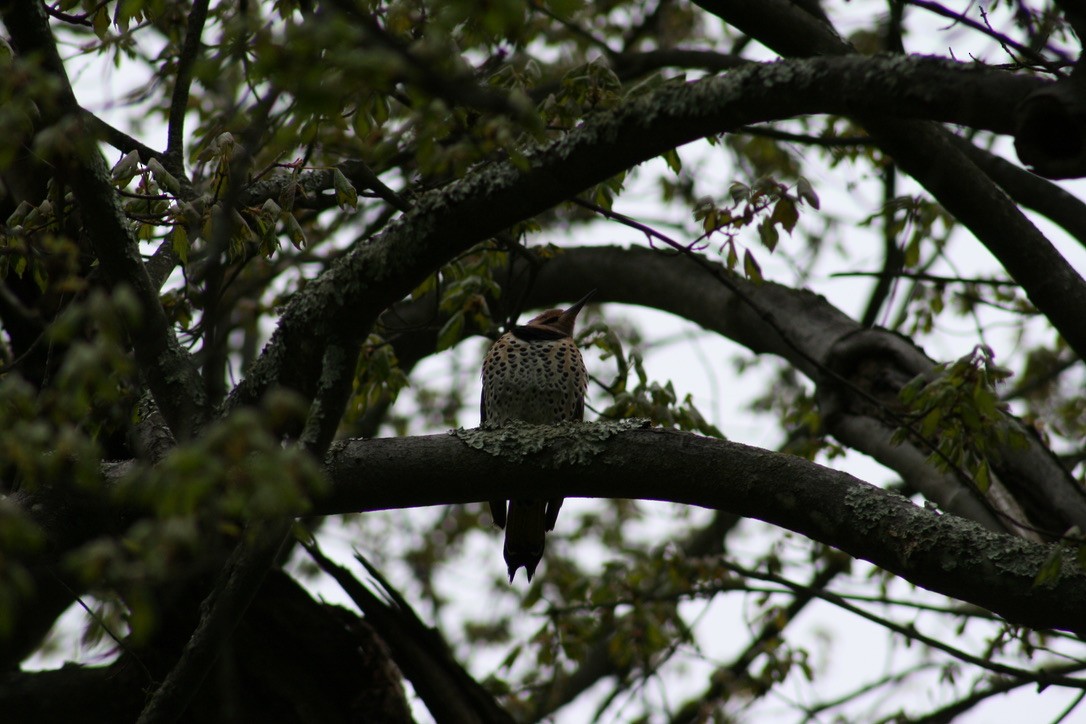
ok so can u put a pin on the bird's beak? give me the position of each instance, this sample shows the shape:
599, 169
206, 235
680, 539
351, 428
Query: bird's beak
571, 313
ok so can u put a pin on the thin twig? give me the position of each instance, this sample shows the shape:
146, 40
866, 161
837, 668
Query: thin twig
175, 144
1042, 677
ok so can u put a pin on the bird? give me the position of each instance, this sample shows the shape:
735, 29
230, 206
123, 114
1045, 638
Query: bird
533, 373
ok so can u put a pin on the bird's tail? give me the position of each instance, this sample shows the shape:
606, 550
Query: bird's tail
525, 534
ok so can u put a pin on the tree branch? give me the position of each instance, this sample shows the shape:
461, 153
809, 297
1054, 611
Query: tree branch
251, 559
809, 332
735, 675
942, 553
442, 223
1030, 190
1007, 42
450, 693
179, 102
220, 613
814, 337
924, 151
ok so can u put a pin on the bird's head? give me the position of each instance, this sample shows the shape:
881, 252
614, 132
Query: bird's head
560, 320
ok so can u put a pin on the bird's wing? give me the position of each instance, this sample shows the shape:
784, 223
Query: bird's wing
497, 507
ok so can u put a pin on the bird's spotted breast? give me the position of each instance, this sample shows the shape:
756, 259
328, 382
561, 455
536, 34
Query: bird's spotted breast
539, 381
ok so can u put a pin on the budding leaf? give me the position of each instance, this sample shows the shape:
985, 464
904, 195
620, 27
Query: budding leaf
346, 194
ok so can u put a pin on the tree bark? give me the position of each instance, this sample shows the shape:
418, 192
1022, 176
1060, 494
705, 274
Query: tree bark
942, 553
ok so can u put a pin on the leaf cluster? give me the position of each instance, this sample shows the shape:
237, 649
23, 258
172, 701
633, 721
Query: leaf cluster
957, 413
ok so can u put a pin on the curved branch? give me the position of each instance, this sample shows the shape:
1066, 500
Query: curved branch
1030, 190
810, 333
925, 152
942, 553
347, 298
815, 338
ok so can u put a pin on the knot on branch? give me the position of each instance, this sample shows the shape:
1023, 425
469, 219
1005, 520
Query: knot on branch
1050, 130
866, 371
572, 443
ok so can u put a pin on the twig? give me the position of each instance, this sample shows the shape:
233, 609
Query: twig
175, 145
1043, 677
929, 278
1005, 41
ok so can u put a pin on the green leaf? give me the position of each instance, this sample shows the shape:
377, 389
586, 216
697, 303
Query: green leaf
1050, 569
286, 196
785, 213
270, 211
164, 178
931, 421
767, 232
346, 194
100, 23
428, 285
739, 192
912, 252
125, 169
751, 268
733, 257
451, 331
982, 477
294, 230
807, 193
673, 161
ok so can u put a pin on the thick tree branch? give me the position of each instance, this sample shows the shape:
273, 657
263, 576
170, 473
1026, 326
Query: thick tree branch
1031, 191
926, 153
347, 298
103, 695
813, 335
422, 654
235, 589
337, 670
781, 25
942, 553
244, 572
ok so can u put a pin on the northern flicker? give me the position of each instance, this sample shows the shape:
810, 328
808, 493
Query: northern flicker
533, 373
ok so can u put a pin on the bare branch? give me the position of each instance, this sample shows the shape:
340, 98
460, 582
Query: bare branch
175, 147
